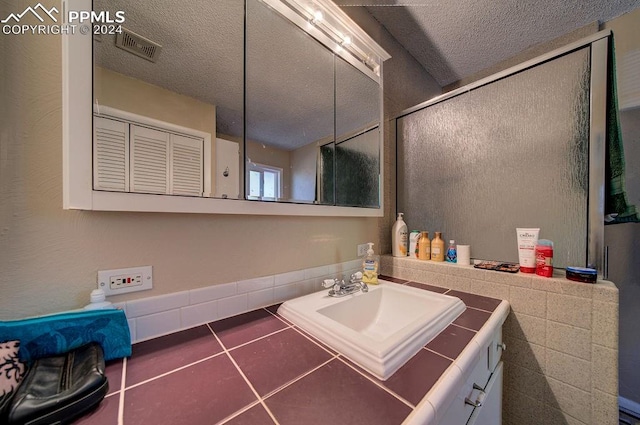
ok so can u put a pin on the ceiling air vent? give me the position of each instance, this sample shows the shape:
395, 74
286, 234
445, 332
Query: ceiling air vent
138, 45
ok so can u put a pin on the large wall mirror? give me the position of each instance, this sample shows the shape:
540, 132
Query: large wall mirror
290, 107
312, 118
176, 70
255, 100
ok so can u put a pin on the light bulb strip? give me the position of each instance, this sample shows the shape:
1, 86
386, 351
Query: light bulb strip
337, 26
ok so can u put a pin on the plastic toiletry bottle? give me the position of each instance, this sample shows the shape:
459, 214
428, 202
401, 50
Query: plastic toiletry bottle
399, 237
424, 246
452, 252
544, 258
370, 266
414, 236
527, 241
437, 248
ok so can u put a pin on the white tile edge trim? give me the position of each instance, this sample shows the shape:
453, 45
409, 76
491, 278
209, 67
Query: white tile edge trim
310, 283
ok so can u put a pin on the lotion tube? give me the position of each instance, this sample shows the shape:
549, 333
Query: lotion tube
527, 240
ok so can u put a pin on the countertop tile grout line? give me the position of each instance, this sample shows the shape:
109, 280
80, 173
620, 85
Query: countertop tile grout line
313, 340
204, 359
383, 387
440, 354
239, 412
296, 379
233, 361
258, 339
123, 385
463, 327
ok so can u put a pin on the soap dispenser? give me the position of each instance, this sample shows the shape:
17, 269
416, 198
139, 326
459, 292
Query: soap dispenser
370, 266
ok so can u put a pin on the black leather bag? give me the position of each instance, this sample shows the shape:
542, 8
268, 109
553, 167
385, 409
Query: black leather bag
58, 389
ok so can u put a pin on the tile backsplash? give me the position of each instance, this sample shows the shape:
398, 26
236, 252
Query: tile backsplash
561, 362
164, 314
562, 336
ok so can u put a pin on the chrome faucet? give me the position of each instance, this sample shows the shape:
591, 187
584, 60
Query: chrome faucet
339, 288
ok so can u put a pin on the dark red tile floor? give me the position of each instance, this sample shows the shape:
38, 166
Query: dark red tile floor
257, 369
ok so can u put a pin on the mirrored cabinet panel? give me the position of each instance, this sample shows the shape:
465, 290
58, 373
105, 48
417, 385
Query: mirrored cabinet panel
357, 151
223, 106
182, 81
289, 107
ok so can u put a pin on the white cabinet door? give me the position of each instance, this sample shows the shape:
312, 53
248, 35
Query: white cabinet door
110, 155
149, 160
186, 166
131, 157
490, 413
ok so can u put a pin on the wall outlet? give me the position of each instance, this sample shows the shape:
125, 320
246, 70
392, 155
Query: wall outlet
121, 281
362, 249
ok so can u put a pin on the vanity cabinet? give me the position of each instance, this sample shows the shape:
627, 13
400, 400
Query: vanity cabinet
490, 413
479, 401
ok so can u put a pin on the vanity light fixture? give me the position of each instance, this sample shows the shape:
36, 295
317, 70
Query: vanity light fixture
325, 21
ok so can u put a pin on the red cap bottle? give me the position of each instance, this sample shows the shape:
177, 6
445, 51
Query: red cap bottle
544, 258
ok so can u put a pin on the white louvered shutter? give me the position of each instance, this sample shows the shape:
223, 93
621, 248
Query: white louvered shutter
149, 160
110, 155
186, 162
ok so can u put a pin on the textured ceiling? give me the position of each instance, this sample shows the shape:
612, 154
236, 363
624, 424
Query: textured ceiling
203, 53
290, 93
454, 39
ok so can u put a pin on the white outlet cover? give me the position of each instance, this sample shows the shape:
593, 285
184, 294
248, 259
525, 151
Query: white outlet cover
362, 249
104, 277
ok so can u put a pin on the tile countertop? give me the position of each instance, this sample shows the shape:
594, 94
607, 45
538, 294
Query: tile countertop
256, 368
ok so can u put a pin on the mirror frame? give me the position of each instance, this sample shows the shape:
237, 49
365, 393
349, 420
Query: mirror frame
77, 134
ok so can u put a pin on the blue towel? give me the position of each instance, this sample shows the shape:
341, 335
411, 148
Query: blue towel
59, 333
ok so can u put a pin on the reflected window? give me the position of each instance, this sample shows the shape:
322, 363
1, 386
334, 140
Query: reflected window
264, 182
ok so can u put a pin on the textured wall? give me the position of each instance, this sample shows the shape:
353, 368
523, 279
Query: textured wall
49, 257
139, 97
303, 172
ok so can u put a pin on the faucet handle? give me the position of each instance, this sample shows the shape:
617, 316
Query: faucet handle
356, 277
329, 283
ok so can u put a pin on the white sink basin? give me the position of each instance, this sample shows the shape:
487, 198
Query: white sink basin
379, 330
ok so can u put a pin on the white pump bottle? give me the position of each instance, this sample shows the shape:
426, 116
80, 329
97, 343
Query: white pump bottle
399, 236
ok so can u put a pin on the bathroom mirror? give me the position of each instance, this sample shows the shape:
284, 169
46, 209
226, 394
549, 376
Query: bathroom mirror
177, 78
180, 66
307, 113
289, 108
357, 151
